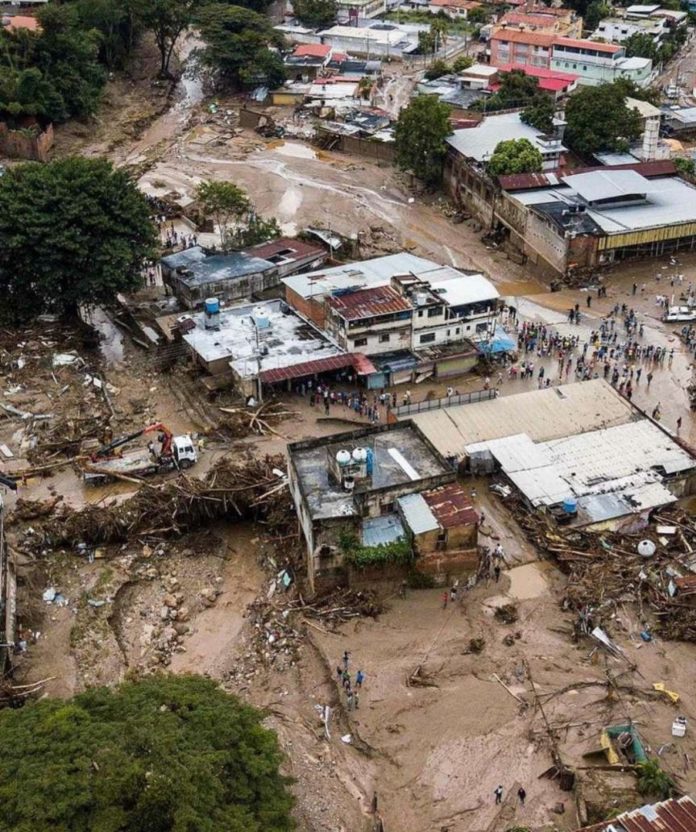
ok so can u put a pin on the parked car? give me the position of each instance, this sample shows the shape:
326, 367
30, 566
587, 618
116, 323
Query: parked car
677, 314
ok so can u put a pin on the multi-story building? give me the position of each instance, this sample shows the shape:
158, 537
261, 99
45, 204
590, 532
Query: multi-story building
538, 18
370, 321
599, 63
620, 29
510, 46
594, 63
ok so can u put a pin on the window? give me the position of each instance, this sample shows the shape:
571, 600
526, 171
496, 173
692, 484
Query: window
428, 338
456, 331
434, 311
468, 328
448, 332
384, 339
420, 313
360, 342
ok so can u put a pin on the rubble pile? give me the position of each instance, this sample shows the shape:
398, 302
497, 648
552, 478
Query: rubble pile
51, 398
240, 421
654, 567
277, 625
244, 489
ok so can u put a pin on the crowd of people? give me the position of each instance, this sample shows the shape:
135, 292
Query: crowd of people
351, 686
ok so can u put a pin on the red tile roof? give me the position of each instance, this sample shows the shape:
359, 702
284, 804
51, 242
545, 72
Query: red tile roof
451, 506
20, 21
588, 44
538, 71
675, 815
532, 38
360, 362
660, 167
369, 303
538, 18
311, 50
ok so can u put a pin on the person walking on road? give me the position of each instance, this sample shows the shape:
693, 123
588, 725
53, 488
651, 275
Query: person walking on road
522, 794
498, 795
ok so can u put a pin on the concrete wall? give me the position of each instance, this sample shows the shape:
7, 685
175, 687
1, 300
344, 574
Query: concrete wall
311, 308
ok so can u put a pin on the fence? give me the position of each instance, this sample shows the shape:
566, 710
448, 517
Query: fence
449, 401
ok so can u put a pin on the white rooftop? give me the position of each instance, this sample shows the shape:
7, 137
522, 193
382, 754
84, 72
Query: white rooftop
638, 9
541, 414
479, 142
347, 89
670, 201
610, 472
459, 288
644, 108
480, 70
284, 339
607, 184
391, 36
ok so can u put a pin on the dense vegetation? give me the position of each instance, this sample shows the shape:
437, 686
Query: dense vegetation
517, 89
514, 156
72, 232
167, 754
590, 131
420, 135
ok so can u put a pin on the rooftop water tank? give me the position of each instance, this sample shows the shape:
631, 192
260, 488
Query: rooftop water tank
212, 306
261, 321
343, 457
211, 319
421, 298
646, 548
570, 506
360, 454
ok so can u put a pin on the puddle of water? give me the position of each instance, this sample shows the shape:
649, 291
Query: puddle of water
527, 581
111, 341
298, 151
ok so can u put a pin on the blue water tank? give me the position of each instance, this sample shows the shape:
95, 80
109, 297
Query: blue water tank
570, 506
212, 306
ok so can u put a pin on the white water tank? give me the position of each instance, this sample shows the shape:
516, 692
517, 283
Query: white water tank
343, 457
360, 455
421, 298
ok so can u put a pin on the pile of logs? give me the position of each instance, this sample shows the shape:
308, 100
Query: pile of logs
241, 421
605, 568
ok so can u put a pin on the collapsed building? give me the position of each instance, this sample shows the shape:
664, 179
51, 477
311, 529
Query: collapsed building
364, 490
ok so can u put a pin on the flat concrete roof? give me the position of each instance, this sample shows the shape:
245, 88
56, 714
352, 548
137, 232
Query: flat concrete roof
400, 456
284, 339
543, 415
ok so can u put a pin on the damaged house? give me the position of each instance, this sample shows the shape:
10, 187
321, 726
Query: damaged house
374, 503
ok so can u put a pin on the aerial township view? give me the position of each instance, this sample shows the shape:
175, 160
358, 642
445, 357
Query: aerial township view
347, 434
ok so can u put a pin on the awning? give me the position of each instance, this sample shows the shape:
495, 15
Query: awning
498, 343
358, 361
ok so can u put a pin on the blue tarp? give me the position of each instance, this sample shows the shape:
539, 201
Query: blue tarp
498, 343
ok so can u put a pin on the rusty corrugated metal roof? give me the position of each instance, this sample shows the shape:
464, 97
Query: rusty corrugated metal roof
360, 362
451, 506
369, 303
674, 815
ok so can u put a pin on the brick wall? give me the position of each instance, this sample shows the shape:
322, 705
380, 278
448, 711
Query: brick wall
25, 144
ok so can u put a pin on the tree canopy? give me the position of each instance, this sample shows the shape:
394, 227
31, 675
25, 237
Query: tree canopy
237, 44
640, 45
72, 232
167, 19
596, 10
515, 156
420, 135
589, 130
315, 13
539, 113
54, 73
517, 89
166, 754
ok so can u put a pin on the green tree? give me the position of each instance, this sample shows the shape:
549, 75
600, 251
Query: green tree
514, 156
478, 15
437, 69
517, 89
539, 113
115, 22
420, 135
654, 782
315, 13
438, 29
596, 10
640, 45
461, 63
54, 73
164, 754
73, 232
426, 42
629, 89
589, 130
686, 167
167, 20
225, 203
237, 46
